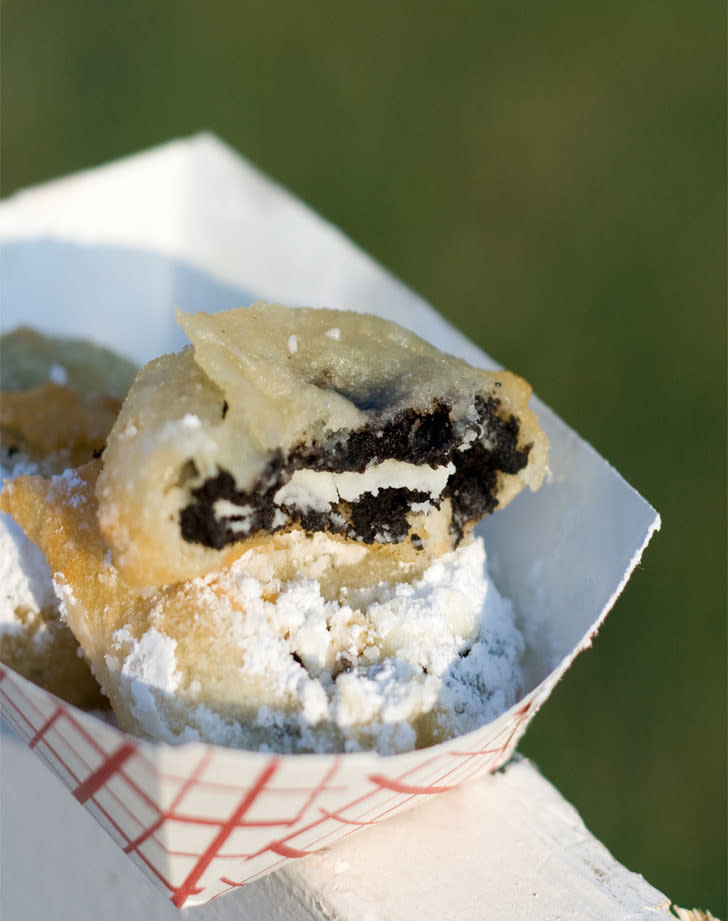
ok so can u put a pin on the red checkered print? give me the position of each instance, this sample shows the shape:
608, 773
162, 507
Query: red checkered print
201, 820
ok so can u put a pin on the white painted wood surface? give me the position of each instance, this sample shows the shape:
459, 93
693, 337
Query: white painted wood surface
507, 847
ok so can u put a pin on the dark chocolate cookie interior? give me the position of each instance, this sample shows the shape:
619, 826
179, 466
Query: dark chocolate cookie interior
478, 451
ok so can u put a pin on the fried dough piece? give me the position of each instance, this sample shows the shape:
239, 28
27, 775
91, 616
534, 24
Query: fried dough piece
322, 420
54, 427
29, 358
59, 516
58, 401
34, 641
44, 651
204, 658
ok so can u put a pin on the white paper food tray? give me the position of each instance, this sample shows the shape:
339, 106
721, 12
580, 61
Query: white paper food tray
107, 254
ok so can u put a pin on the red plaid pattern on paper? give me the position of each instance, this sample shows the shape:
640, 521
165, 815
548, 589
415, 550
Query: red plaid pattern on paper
201, 820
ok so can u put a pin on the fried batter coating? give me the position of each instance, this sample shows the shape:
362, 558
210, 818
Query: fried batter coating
323, 420
58, 401
55, 427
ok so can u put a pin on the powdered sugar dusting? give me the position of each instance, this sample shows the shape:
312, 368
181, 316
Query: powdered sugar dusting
58, 374
391, 667
25, 580
25, 583
147, 673
72, 484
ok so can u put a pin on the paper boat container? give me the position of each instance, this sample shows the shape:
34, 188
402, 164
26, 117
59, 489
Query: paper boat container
106, 254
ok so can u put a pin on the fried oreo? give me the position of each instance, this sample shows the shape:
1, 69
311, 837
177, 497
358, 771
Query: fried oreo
319, 420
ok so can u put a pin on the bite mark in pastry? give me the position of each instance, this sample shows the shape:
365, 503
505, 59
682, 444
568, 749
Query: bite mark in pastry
322, 420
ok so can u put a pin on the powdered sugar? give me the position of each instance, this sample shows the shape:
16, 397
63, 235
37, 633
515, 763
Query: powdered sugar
25, 581
72, 484
145, 668
58, 374
24, 577
393, 667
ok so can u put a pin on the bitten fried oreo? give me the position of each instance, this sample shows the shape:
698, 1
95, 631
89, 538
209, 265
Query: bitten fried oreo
279, 419
274, 550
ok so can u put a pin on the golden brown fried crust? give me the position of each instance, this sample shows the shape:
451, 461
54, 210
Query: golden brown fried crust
47, 653
59, 515
53, 419
49, 658
29, 358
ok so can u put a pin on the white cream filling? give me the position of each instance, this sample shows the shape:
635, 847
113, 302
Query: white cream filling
319, 489
224, 508
237, 517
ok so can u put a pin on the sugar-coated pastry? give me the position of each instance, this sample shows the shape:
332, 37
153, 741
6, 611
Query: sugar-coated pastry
305, 642
58, 401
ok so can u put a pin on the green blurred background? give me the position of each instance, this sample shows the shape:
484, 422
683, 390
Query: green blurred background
552, 178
